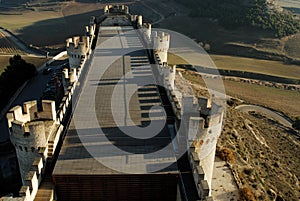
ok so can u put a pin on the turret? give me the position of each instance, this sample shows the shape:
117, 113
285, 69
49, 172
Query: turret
148, 31
77, 48
29, 130
161, 43
106, 9
140, 21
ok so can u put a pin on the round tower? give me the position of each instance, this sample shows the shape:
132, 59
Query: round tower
77, 48
161, 43
28, 138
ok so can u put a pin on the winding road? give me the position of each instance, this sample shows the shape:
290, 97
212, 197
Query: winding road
269, 113
162, 17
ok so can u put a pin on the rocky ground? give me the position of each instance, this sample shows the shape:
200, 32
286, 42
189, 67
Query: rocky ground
261, 153
264, 156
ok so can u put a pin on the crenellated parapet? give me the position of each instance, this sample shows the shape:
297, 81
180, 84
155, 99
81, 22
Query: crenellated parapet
35, 134
30, 130
119, 9
161, 43
199, 122
29, 112
79, 47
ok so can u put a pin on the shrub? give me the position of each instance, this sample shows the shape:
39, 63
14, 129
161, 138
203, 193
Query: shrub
246, 194
296, 124
226, 154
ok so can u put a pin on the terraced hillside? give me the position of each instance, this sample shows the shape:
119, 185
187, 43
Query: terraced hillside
7, 47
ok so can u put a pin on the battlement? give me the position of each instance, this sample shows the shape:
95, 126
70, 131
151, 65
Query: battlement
160, 45
30, 112
32, 181
199, 175
188, 104
200, 121
78, 44
79, 47
161, 41
35, 133
118, 9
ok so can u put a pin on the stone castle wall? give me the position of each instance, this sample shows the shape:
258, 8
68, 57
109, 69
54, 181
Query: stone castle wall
40, 131
199, 120
36, 134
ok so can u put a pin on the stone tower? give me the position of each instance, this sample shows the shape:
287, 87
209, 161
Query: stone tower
203, 126
161, 43
30, 130
78, 47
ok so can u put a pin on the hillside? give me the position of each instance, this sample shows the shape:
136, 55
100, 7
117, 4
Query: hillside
266, 15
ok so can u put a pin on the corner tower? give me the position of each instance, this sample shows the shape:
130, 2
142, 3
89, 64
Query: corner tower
29, 132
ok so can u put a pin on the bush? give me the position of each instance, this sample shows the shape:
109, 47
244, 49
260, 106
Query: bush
296, 124
246, 194
226, 154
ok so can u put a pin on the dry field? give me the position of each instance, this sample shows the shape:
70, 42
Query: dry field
261, 153
277, 99
50, 25
275, 68
267, 67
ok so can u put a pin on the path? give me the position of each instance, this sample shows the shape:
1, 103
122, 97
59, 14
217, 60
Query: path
162, 17
269, 113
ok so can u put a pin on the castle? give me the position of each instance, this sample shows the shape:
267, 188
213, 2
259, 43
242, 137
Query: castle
36, 132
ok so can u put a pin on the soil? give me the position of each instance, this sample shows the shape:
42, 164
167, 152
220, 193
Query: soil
266, 155
263, 155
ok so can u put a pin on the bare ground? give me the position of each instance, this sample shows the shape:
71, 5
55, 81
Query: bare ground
264, 159
266, 156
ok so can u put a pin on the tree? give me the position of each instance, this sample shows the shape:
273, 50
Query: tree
15, 74
296, 124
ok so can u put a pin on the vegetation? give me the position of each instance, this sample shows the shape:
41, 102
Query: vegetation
235, 13
296, 123
283, 24
226, 154
15, 74
247, 194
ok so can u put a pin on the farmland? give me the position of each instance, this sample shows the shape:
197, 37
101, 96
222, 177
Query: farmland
7, 46
49, 24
